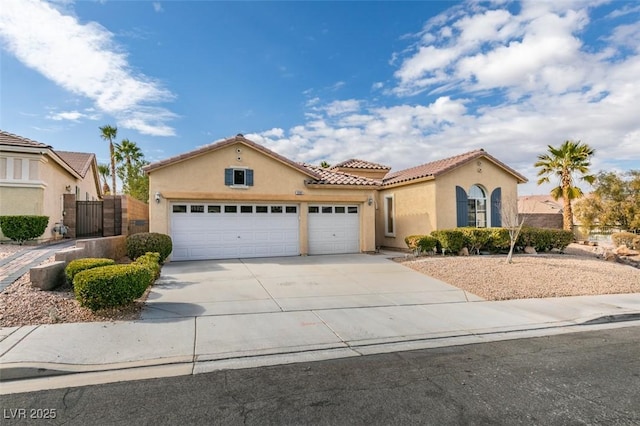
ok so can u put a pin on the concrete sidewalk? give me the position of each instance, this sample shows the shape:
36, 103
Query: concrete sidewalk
16, 265
205, 316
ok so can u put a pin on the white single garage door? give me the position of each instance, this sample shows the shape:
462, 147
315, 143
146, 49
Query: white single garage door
225, 231
334, 229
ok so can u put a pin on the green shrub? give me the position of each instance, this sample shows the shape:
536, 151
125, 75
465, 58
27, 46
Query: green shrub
428, 243
412, 241
23, 228
499, 241
476, 238
150, 261
452, 240
111, 286
422, 243
79, 265
543, 239
627, 238
145, 242
561, 238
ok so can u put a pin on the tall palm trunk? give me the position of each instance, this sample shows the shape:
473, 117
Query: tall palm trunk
567, 211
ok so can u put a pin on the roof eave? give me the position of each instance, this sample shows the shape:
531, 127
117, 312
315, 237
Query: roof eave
409, 181
338, 185
222, 144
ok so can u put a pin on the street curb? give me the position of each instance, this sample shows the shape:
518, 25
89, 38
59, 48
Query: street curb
27, 377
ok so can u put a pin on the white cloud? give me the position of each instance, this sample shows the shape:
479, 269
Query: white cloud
83, 59
342, 107
511, 86
72, 115
157, 7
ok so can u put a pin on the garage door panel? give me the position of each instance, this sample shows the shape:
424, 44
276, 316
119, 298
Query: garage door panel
332, 230
221, 233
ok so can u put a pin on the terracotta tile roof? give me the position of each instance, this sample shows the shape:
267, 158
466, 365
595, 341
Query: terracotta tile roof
439, 167
332, 177
7, 138
539, 204
354, 163
218, 145
79, 161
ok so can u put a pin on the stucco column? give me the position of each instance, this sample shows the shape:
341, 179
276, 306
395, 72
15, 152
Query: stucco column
304, 228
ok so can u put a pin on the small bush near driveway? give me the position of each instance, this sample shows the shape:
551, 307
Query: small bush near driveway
80, 265
111, 286
149, 242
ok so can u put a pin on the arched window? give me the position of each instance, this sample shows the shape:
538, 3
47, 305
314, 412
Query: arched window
477, 202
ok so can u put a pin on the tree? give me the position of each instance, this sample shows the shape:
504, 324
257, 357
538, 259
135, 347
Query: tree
138, 183
128, 155
565, 161
324, 164
103, 171
109, 133
513, 222
615, 201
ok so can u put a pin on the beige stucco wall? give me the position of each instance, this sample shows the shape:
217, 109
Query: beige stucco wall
480, 172
202, 178
415, 212
40, 193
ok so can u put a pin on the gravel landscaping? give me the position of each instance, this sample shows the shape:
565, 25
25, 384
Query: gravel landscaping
577, 272
22, 304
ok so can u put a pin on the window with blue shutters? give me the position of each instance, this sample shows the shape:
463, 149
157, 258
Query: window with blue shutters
238, 177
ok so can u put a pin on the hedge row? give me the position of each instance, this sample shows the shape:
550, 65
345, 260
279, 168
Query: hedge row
490, 239
99, 283
23, 228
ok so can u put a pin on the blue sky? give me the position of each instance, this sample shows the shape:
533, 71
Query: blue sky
400, 83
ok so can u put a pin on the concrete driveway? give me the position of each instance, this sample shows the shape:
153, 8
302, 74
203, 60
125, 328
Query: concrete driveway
249, 286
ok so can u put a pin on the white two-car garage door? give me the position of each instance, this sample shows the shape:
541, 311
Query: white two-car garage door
334, 229
225, 231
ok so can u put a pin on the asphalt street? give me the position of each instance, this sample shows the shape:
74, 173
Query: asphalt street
582, 378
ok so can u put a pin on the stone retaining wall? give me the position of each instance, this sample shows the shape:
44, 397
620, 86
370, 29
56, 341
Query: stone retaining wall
50, 276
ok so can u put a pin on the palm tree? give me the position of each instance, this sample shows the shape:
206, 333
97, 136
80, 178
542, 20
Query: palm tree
109, 133
129, 153
571, 157
103, 170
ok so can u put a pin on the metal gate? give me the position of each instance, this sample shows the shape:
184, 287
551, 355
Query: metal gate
88, 219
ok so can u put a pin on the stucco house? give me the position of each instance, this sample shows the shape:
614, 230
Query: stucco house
236, 198
34, 177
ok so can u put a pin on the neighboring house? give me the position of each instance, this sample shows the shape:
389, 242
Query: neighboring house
540, 211
236, 198
34, 177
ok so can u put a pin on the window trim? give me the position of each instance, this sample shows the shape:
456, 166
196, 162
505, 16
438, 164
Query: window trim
230, 177
475, 210
390, 216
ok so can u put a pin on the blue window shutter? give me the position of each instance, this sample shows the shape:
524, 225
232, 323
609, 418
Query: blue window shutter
228, 177
249, 176
462, 208
496, 203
